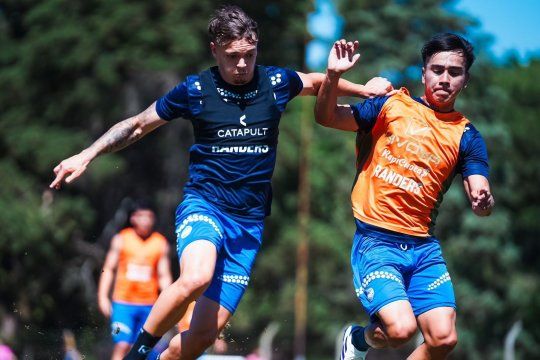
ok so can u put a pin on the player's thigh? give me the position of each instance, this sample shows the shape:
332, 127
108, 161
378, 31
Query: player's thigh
123, 323
430, 285
200, 236
376, 268
438, 325
198, 259
398, 319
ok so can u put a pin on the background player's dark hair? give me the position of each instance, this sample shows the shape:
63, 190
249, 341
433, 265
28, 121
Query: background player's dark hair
141, 204
448, 42
230, 23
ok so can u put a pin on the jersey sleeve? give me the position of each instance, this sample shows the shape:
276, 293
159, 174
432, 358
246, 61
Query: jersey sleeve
473, 158
180, 100
286, 85
365, 113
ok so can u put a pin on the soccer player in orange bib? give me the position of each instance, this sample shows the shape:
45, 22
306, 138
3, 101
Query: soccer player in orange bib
138, 256
409, 150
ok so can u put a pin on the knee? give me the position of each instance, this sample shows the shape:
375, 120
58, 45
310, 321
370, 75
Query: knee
174, 350
194, 283
443, 341
401, 332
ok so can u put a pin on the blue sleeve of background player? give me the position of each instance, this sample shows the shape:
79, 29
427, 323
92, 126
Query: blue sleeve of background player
286, 84
180, 101
473, 158
365, 113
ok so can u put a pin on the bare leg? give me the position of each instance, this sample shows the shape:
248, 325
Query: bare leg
397, 325
196, 270
209, 318
439, 329
375, 336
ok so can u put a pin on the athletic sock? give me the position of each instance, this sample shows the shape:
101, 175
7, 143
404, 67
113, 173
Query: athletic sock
144, 343
358, 339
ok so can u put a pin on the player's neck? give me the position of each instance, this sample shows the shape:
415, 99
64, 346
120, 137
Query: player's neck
142, 234
445, 108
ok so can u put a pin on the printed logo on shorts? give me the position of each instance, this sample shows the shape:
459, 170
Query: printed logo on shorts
186, 232
118, 327
370, 294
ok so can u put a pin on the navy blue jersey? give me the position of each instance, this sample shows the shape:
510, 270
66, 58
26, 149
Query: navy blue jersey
236, 133
473, 158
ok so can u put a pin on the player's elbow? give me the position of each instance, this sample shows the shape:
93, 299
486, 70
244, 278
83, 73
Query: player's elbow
324, 121
324, 118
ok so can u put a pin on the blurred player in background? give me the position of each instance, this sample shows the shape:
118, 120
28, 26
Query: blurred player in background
138, 264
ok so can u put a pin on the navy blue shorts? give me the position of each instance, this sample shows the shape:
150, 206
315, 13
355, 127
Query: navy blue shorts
388, 267
237, 242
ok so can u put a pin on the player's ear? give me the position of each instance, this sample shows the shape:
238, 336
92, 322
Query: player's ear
213, 48
423, 75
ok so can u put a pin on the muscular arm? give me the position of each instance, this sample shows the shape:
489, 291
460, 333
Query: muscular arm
117, 137
107, 275
327, 112
479, 194
164, 270
377, 86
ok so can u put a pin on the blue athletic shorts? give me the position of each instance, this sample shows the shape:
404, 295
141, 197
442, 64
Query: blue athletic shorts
388, 266
127, 320
237, 242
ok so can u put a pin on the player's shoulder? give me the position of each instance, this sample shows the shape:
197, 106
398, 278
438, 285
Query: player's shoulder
158, 236
402, 96
193, 83
470, 131
279, 75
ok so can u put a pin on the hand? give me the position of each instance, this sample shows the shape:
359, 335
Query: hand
482, 202
342, 56
72, 167
379, 86
105, 307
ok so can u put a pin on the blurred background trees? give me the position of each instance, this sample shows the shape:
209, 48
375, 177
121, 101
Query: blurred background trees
71, 69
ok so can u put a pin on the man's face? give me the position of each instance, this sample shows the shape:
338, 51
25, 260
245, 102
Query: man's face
143, 221
236, 60
444, 76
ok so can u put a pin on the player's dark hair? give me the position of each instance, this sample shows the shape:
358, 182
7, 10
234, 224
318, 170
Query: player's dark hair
230, 23
448, 42
141, 204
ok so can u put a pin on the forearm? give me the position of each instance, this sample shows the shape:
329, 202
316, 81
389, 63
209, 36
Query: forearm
344, 87
348, 88
117, 137
479, 193
326, 104
105, 283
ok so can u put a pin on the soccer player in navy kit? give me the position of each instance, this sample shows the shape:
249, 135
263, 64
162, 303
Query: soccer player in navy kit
235, 109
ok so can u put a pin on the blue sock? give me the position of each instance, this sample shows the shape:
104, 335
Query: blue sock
358, 339
142, 347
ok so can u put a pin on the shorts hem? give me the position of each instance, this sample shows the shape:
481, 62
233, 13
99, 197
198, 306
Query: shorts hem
376, 310
433, 306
